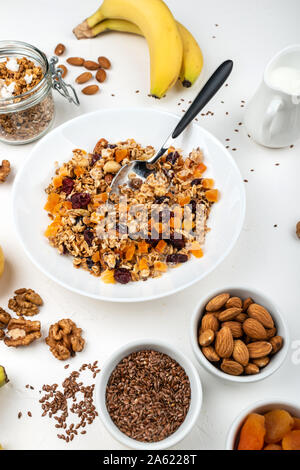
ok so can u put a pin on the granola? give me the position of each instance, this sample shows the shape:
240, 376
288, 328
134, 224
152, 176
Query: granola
138, 234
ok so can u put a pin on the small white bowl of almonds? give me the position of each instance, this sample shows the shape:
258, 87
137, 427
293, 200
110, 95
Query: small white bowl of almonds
238, 334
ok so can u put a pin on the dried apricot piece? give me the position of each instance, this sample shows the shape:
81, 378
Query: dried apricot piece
96, 257
273, 447
79, 170
199, 170
108, 276
143, 264
143, 247
278, 423
52, 201
296, 424
129, 252
252, 433
161, 246
184, 200
291, 440
208, 183
57, 181
120, 154
159, 266
212, 195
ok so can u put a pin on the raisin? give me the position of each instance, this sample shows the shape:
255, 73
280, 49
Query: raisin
88, 236
177, 241
122, 275
196, 182
95, 158
89, 263
136, 183
177, 258
112, 146
67, 185
80, 200
172, 157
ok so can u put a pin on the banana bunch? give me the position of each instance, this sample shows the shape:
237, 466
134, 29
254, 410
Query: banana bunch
3, 376
174, 52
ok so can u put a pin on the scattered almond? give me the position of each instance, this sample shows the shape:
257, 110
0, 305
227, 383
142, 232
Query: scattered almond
64, 70
261, 314
206, 337
224, 342
77, 61
254, 329
209, 322
259, 349
101, 75
83, 78
91, 65
217, 302
90, 89
60, 49
104, 62
231, 367
240, 352
210, 354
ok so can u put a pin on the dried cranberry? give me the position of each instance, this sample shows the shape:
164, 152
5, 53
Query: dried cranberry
177, 258
112, 146
177, 242
80, 200
95, 158
89, 263
196, 182
161, 199
67, 185
122, 275
172, 157
88, 236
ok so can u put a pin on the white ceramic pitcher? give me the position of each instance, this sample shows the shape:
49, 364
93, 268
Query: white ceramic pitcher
272, 117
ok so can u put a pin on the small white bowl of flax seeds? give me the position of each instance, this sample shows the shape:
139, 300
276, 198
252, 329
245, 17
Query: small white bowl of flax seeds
148, 395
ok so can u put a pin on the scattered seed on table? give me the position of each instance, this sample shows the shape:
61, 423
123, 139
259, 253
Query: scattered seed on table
234, 149
291, 146
19, 415
275, 225
29, 414
246, 181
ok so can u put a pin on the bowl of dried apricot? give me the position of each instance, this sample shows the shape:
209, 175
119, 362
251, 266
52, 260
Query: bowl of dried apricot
239, 334
266, 425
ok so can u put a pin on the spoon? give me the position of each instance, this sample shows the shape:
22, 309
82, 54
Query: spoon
141, 167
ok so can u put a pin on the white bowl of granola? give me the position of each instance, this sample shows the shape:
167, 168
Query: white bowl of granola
77, 185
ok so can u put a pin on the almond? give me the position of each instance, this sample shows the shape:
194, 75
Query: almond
276, 343
83, 78
229, 313
233, 302
217, 302
254, 329
251, 369
259, 349
261, 361
209, 322
60, 49
206, 337
91, 65
64, 70
101, 75
77, 61
271, 332
246, 303
231, 367
104, 62
224, 342
261, 314
210, 354
241, 317
90, 90
240, 352
235, 328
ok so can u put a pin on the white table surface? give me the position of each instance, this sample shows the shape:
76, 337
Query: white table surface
267, 257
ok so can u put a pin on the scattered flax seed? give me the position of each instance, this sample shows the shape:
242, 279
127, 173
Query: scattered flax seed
275, 225
214, 37
251, 169
277, 164
179, 104
298, 229
249, 136
222, 102
182, 99
227, 146
240, 123
115, 95
72, 399
234, 149
67, 366
19, 415
227, 140
226, 84
227, 113
291, 146
29, 414
137, 91
246, 181
236, 130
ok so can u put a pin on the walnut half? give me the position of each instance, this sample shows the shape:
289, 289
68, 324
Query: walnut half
4, 318
25, 302
65, 339
22, 332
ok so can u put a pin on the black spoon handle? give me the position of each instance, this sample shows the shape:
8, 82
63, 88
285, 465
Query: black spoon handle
204, 96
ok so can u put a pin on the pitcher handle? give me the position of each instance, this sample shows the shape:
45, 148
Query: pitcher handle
272, 110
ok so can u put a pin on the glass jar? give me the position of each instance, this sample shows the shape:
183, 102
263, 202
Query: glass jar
27, 117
